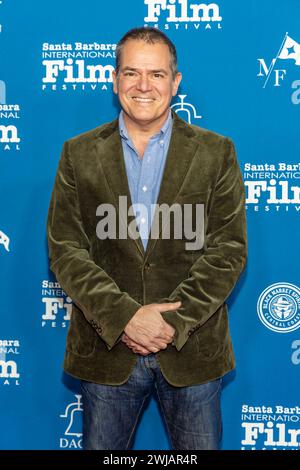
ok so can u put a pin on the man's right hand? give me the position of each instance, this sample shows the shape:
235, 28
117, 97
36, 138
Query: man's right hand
148, 328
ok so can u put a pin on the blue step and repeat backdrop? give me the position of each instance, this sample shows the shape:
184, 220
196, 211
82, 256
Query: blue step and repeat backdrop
241, 78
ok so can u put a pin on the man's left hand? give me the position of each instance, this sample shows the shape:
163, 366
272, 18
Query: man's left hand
136, 348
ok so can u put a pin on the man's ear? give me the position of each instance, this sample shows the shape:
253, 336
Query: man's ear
115, 81
176, 83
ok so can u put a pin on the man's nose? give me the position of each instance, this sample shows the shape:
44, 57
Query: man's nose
143, 83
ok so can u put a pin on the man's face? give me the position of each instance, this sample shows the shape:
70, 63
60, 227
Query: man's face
145, 84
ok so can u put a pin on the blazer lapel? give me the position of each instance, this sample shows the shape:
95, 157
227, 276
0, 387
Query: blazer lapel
113, 166
181, 151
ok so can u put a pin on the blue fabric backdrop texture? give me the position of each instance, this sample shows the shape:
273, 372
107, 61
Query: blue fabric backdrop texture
241, 78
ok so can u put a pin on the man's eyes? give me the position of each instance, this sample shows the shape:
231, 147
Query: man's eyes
134, 74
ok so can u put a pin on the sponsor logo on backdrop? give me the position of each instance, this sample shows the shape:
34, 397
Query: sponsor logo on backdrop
9, 138
270, 427
57, 305
295, 357
9, 352
72, 418
185, 110
272, 187
278, 307
182, 15
284, 65
77, 66
4, 240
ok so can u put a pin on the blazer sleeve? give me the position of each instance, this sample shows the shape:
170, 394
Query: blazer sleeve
104, 305
214, 274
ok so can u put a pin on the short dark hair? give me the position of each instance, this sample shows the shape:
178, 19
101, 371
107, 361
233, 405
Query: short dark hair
150, 36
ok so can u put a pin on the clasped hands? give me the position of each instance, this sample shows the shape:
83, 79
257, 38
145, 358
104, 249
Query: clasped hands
147, 331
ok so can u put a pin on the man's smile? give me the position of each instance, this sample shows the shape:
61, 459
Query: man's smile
141, 99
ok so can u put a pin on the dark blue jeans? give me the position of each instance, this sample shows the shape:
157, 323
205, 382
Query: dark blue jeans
110, 412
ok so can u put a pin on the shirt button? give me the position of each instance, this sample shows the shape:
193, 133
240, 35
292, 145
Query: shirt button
143, 220
161, 142
144, 188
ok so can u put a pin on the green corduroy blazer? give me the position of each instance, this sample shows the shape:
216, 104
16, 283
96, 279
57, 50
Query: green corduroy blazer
109, 280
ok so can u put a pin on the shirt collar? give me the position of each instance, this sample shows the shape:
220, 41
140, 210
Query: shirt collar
124, 133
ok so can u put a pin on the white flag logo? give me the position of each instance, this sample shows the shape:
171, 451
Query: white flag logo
290, 50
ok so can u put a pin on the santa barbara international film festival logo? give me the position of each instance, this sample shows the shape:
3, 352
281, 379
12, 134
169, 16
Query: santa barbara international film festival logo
77, 66
278, 307
272, 187
72, 419
182, 15
57, 305
9, 113
266, 427
9, 352
273, 74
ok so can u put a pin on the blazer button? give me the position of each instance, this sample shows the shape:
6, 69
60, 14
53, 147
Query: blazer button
147, 266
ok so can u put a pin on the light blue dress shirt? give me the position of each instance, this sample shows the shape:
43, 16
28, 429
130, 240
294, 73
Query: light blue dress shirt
145, 174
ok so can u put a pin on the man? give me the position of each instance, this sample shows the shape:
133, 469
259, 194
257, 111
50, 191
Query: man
148, 311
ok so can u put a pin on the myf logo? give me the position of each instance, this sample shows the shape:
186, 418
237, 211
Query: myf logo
278, 307
181, 12
73, 432
289, 50
4, 240
2, 92
55, 300
8, 367
186, 110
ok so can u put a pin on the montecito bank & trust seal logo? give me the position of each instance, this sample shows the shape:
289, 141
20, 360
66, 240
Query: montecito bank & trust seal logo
278, 307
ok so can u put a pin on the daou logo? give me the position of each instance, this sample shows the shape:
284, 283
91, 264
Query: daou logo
73, 433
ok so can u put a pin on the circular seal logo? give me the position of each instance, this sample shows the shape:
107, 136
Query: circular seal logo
278, 307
